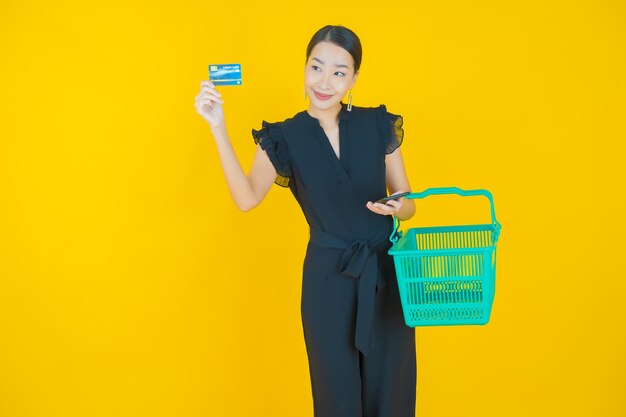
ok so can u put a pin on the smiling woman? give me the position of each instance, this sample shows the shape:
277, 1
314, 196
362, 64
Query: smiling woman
327, 76
336, 159
338, 47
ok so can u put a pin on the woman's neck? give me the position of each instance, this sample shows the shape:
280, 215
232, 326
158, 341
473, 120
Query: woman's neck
328, 117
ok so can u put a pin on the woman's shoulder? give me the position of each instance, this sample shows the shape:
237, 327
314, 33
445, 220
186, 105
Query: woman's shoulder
379, 109
294, 117
377, 113
277, 122
278, 129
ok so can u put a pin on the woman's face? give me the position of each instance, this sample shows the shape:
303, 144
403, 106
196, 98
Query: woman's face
328, 75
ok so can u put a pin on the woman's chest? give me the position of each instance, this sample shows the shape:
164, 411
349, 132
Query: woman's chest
351, 154
332, 135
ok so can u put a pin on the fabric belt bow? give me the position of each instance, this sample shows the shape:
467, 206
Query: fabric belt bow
359, 260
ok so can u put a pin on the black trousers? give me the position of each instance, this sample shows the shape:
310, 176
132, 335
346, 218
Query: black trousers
344, 382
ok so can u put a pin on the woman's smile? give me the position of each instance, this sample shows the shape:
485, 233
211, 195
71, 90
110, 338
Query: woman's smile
321, 96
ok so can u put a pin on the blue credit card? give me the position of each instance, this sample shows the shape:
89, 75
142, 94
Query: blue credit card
225, 74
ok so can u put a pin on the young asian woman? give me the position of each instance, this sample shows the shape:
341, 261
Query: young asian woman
337, 159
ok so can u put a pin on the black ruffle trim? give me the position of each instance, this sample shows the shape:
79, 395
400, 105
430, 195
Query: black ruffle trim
272, 141
390, 128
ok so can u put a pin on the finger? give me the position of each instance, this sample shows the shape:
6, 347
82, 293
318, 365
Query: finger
211, 100
394, 203
381, 206
214, 98
384, 208
206, 100
210, 93
373, 207
211, 90
207, 83
208, 105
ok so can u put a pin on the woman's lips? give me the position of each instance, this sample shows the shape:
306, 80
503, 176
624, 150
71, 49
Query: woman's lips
322, 96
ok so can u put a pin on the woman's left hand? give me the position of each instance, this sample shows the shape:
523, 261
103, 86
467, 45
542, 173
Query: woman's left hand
391, 208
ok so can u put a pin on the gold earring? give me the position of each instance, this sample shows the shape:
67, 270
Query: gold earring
350, 101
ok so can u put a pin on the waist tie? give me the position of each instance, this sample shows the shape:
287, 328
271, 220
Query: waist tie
358, 260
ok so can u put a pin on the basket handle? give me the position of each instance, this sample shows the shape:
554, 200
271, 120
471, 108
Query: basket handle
395, 235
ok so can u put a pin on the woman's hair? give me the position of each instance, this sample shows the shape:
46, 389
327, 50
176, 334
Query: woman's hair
340, 36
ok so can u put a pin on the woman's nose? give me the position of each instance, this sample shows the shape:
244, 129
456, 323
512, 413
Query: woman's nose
325, 81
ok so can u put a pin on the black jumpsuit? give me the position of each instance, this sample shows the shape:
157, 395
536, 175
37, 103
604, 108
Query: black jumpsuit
361, 354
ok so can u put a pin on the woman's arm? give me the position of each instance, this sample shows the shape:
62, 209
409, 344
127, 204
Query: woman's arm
397, 182
247, 191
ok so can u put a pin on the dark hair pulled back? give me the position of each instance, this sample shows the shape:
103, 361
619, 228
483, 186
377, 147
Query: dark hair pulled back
340, 36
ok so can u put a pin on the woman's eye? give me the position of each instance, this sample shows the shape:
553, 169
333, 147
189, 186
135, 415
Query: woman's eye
341, 74
315, 67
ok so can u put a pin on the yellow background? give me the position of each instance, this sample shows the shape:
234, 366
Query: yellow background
131, 285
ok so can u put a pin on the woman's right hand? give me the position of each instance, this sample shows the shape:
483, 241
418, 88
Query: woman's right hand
209, 105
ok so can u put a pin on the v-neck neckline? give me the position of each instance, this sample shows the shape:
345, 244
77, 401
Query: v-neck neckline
339, 162
340, 139
343, 113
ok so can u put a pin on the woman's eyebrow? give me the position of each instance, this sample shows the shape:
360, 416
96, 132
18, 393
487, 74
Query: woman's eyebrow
336, 65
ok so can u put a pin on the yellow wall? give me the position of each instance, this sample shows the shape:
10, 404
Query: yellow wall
130, 284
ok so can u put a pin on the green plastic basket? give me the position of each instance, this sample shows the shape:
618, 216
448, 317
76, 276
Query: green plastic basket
446, 275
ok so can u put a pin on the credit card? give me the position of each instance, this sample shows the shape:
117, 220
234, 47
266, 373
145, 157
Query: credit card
225, 74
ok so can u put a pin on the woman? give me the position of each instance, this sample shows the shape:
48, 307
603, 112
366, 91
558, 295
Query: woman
336, 159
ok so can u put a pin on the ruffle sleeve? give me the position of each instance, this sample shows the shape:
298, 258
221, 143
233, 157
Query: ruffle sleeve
390, 128
272, 141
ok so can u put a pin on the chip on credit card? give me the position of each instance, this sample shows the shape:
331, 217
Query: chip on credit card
225, 74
